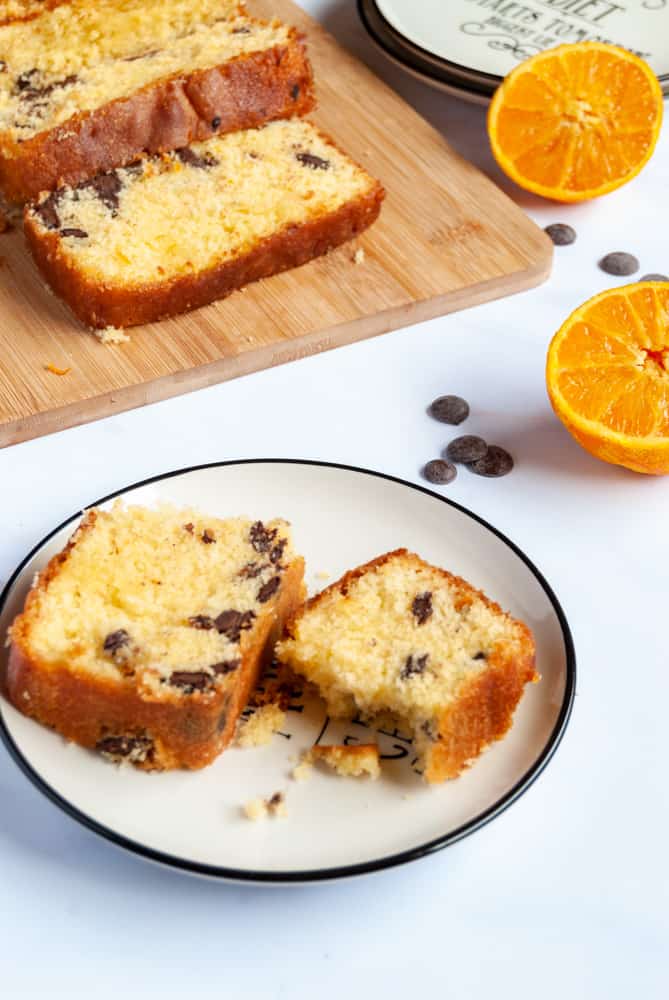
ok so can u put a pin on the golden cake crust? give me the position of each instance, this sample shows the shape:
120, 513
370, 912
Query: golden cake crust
244, 92
483, 711
186, 732
98, 306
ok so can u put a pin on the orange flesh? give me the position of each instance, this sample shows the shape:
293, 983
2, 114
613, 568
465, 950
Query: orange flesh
576, 121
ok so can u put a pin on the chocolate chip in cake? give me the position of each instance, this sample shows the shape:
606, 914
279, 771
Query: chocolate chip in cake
468, 448
421, 607
439, 472
480, 655
141, 55
276, 554
226, 667
208, 537
275, 800
202, 622
80, 234
654, 277
3, 66
269, 589
25, 80
619, 263
233, 623
449, 409
261, 538
252, 570
496, 462
312, 161
561, 234
191, 680
215, 122
295, 91
115, 641
414, 666
190, 527
191, 159
241, 31
124, 746
107, 187
47, 211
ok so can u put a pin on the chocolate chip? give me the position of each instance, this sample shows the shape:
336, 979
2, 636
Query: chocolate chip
269, 589
226, 667
496, 462
123, 746
295, 91
414, 665
561, 234
190, 527
619, 263
202, 622
81, 234
191, 158
25, 80
215, 122
440, 472
275, 800
312, 161
115, 641
208, 537
276, 554
107, 187
241, 31
261, 538
30, 89
654, 277
142, 55
449, 409
191, 680
468, 448
480, 655
252, 570
47, 211
421, 608
233, 623
3, 66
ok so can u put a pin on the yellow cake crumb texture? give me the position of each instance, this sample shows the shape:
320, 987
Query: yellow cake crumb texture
257, 730
80, 56
112, 335
355, 761
164, 596
186, 212
259, 809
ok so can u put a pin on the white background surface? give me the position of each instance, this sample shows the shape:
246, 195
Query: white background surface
567, 893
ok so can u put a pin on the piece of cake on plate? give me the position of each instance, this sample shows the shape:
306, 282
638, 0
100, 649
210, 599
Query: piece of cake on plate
143, 638
402, 638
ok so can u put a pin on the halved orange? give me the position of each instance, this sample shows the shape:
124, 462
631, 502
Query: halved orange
577, 121
608, 376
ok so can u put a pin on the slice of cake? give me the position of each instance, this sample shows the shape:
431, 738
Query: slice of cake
178, 231
86, 87
144, 637
402, 637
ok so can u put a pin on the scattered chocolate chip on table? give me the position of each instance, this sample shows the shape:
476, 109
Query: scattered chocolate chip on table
496, 462
450, 409
468, 448
561, 234
619, 263
440, 472
654, 277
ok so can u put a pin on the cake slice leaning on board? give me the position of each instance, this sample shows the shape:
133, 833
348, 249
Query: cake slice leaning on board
175, 232
88, 86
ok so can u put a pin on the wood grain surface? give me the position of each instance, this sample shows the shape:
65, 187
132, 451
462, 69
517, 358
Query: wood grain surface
447, 238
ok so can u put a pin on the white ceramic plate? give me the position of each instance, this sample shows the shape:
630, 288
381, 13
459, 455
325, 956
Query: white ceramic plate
475, 43
335, 827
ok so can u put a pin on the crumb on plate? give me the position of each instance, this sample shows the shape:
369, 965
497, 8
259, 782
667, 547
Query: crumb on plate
257, 730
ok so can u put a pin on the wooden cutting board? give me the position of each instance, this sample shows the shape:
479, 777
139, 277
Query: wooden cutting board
447, 238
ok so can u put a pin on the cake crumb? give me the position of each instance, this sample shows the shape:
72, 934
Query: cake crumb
26, 695
112, 335
356, 761
302, 771
257, 809
259, 728
359, 256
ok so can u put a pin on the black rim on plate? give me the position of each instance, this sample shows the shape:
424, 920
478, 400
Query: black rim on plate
423, 61
317, 874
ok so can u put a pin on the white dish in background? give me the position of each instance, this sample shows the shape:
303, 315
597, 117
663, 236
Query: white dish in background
335, 827
472, 45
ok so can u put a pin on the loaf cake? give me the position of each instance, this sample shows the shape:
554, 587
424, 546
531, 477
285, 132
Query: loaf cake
402, 638
144, 637
177, 231
89, 86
